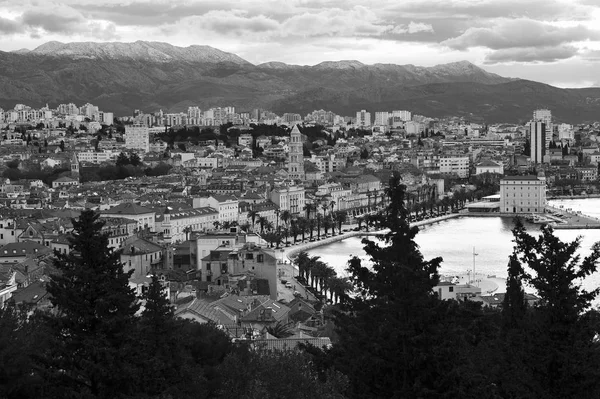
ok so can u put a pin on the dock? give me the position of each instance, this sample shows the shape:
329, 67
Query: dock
568, 220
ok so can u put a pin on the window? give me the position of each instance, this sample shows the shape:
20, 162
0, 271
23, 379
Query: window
259, 258
249, 255
450, 289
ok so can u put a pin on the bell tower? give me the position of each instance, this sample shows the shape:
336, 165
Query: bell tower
296, 155
74, 167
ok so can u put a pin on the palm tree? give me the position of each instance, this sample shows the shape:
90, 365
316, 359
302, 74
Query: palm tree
319, 223
332, 205
339, 287
277, 212
302, 226
326, 224
285, 233
217, 225
369, 199
325, 207
245, 227
262, 221
311, 227
359, 219
281, 330
340, 218
294, 232
301, 262
308, 207
269, 225
252, 214
286, 216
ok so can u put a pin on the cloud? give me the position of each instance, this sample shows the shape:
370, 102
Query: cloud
520, 33
357, 21
8, 26
491, 9
56, 18
532, 54
413, 27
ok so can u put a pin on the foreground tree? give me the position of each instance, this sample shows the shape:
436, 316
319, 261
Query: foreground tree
395, 336
563, 357
95, 316
262, 374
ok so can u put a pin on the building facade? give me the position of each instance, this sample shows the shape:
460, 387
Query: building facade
137, 137
523, 194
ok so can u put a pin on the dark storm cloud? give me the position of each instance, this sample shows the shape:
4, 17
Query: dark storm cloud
8, 26
532, 54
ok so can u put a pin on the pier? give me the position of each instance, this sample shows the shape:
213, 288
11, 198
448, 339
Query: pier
564, 219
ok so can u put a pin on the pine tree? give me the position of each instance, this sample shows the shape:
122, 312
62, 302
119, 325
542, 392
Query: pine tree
95, 316
564, 356
395, 337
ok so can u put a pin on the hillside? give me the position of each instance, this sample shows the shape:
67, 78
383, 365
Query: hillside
149, 76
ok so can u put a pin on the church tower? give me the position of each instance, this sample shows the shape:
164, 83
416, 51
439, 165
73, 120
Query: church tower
296, 155
75, 167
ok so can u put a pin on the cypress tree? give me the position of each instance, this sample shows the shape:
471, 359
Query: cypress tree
514, 306
94, 317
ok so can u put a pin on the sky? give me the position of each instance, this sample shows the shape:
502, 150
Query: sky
551, 41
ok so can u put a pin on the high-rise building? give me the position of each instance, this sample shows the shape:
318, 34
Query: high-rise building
296, 155
537, 141
382, 118
363, 118
404, 116
137, 137
545, 116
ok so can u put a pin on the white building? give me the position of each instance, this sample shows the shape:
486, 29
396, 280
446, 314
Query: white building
458, 165
566, 132
489, 167
382, 118
289, 198
404, 116
523, 194
137, 137
363, 118
94, 157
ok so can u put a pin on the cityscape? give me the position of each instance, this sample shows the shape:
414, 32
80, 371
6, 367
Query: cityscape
300, 200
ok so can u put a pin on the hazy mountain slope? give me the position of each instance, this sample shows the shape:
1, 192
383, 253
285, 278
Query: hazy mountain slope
121, 77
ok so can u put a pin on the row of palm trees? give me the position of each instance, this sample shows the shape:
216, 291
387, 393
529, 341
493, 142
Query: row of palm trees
296, 226
322, 277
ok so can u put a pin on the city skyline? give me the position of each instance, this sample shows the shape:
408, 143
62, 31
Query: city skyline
554, 42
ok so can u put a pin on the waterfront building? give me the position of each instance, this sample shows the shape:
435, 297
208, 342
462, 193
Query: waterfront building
289, 198
523, 194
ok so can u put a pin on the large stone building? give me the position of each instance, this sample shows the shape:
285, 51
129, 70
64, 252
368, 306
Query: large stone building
289, 198
523, 194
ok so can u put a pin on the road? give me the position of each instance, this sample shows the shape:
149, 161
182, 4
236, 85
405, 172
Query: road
286, 271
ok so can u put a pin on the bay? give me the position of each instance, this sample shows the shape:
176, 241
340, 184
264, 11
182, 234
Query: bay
455, 240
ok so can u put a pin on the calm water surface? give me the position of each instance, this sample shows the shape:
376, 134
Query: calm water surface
455, 239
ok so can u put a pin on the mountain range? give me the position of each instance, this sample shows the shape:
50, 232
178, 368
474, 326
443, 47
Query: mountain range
121, 77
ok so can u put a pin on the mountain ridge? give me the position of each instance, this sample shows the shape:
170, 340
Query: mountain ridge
153, 75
